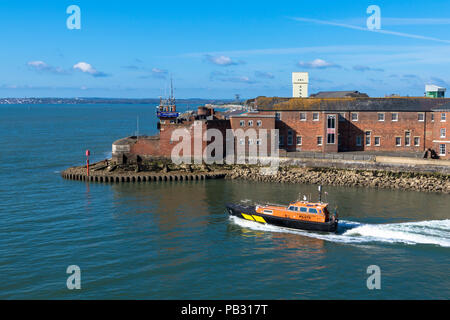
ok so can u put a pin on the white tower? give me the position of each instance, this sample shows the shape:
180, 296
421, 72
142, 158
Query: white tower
300, 84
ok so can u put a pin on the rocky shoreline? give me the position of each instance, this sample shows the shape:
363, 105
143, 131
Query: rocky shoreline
425, 182
434, 182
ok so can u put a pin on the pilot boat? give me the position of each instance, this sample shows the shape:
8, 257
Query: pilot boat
301, 214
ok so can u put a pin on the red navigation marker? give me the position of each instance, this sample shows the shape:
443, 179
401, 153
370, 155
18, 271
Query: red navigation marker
88, 153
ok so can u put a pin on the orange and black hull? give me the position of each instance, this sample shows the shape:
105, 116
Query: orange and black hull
249, 213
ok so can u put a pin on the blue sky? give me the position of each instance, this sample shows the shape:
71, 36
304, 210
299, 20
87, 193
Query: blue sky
216, 49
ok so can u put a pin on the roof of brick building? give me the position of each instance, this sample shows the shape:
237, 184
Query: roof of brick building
444, 107
348, 104
338, 94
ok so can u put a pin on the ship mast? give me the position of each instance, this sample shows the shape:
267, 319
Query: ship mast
172, 100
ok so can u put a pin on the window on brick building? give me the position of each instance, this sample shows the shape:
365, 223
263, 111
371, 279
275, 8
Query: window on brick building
259, 123
443, 116
315, 116
299, 140
302, 116
250, 141
381, 117
242, 123
330, 138
443, 132
377, 141
407, 138
277, 116
250, 123
341, 116
258, 142
398, 141
281, 141
394, 116
319, 141
358, 141
416, 141
354, 116
241, 142
421, 116
331, 126
368, 133
290, 138
432, 117
442, 151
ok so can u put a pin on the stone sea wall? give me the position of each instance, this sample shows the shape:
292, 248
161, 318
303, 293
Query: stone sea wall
429, 182
355, 174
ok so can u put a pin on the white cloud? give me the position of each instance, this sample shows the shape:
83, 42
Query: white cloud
230, 77
41, 66
221, 60
37, 64
87, 68
157, 70
262, 74
159, 73
318, 64
363, 68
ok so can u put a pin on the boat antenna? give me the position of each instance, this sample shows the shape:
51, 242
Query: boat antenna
320, 194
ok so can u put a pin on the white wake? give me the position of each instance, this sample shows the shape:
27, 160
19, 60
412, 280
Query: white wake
435, 232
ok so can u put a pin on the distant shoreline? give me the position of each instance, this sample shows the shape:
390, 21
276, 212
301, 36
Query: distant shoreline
107, 101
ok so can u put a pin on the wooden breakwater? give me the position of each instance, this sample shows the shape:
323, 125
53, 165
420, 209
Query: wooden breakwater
140, 177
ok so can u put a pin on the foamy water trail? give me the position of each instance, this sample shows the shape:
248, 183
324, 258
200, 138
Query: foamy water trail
435, 232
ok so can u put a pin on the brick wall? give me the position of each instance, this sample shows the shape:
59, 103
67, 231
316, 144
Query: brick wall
391, 133
441, 138
306, 128
261, 126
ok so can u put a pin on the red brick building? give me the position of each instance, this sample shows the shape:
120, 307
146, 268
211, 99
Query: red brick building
360, 124
175, 130
395, 124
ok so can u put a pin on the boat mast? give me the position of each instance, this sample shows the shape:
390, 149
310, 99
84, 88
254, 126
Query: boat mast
171, 91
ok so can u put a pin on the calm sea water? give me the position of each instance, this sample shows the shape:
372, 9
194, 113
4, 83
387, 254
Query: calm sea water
174, 240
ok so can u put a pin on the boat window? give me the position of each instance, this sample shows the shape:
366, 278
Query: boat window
268, 211
292, 208
312, 210
303, 209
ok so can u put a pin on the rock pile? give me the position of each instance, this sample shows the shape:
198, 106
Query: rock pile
340, 177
